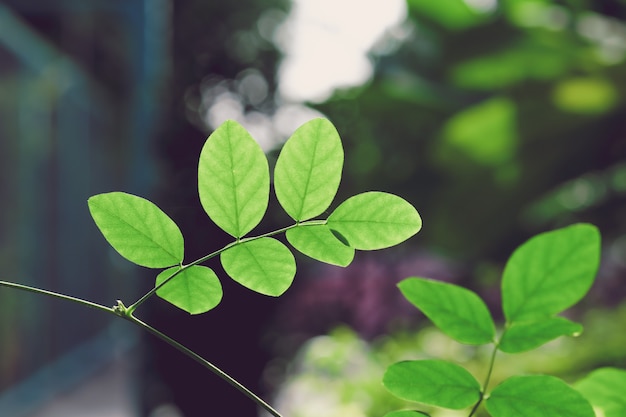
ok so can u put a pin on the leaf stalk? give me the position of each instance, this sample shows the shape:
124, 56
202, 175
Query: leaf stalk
483, 391
205, 258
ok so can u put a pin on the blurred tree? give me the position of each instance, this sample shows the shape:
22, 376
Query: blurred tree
498, 119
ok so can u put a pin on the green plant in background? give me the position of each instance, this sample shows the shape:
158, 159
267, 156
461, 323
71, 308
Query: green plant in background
339, 374
234, 190
543, 277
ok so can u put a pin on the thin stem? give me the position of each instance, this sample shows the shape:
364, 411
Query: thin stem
483, 390
57, 295
234, 383
205, 258
121, 311
127, 312
150, 293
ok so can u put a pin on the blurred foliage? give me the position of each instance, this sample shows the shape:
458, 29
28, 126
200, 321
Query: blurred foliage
497, 120
488, 110
340, 374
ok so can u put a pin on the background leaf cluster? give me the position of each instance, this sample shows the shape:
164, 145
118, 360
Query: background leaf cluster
543, 277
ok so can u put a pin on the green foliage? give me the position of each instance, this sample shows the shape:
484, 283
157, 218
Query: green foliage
233, 185
544, 276
585, 95
523, 336
485, 132
604, 388
137, 229
537, 395
375, 220
233, 179
308, 170
550, 273
264, 265
451, 14
319, 242
458, 312
195, 289
341, 369
435, 382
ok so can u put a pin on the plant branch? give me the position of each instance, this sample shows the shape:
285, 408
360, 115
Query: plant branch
205, 258
188, 352
483, 390
120, 310
110, 310
124, 312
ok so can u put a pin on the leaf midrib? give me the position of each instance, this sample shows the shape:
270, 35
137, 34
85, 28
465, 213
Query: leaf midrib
139, 231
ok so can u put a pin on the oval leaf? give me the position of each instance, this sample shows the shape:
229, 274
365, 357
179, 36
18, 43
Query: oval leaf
458, 312
537, 395
308, 170
196, 289
233, 179
550, 272
375, 220
318, 242
433, 382
523, 336
263, 265
604, 388
137, 229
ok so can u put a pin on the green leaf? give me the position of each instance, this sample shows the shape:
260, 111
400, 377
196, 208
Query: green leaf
233, 179
550, 272
453, 15
407, 413
458, 312
375, 220
263, 265
585, 95
137, 229
523, 336
604, 388
434, 382
308, 170
195, 289
537, 395
318, 242
486, 132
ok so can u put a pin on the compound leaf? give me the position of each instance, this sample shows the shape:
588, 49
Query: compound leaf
375, 220
550, 272
523, 336
195, 290
137, 229
233, 179
263, 265
308, 170
604, 388
457, 311
434, 382
537, 395
319, 242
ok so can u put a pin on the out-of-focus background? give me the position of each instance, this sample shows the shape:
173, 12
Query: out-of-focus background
497, 119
